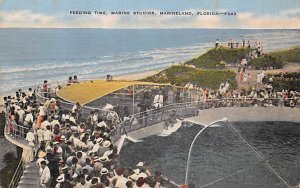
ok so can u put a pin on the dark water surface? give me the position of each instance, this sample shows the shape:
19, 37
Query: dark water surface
219, 155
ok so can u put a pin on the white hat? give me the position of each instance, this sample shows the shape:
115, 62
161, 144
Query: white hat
75, 175
96, 159
136, 171
105, 134
101, 124
48, 148
52, 100
99, 140
55, 142
104, 159
74, 128
106, 143
134, 177
67, 117
140, 164
104, 171
60, 178
62, 137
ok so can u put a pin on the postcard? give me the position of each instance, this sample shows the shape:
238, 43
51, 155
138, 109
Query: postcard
146, 93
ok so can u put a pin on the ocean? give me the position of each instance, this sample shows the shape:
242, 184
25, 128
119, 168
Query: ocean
29, 56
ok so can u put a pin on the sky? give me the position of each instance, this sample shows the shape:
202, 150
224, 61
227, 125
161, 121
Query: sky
248, 14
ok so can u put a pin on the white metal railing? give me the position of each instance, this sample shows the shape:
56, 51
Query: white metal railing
17, 175
188, 109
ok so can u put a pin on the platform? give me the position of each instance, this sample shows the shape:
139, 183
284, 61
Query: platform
85, 92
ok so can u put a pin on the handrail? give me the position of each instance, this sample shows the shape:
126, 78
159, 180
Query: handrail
186, 109
15, 129
17, 175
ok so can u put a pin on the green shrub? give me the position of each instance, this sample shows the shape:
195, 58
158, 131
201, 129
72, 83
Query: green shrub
212, 59
181, 75
266, 61
290, 55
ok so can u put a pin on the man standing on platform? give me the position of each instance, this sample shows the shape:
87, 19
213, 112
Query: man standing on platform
158, 100
45, 175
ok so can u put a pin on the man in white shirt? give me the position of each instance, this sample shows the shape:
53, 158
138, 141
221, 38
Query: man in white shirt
30, 137
45, 175
21, 113
158, 100
45, 122
28, 119
48, 135
122, 180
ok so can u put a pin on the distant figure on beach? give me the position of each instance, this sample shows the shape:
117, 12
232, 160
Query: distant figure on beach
259, 50
237, 43
248, 44
244, 43
75, 79
231, 43
217, 43
158, 100
70, 81
45, 88
109, 78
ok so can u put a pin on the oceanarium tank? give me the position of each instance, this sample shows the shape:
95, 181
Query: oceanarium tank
240, 154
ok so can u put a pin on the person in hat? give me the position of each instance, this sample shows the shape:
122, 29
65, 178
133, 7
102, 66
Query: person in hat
104, 171
60, 181
105, 146
98, 165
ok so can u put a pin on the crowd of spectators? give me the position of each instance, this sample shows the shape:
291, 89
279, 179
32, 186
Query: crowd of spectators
73, 151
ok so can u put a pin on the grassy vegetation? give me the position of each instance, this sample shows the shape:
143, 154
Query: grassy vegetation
215, 58
181, 75
288, 56
266, 61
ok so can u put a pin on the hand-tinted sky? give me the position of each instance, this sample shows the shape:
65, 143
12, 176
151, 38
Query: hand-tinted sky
55, 13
